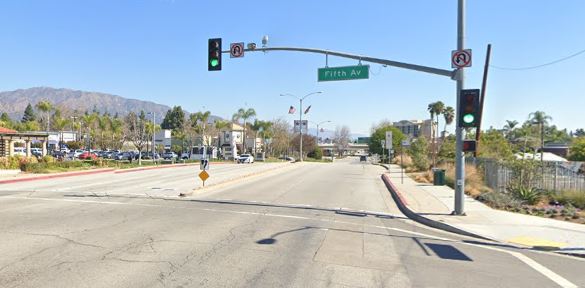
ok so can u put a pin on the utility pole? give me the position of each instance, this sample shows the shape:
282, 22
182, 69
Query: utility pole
459, 131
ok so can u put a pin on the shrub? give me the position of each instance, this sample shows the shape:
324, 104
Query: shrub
573, 197
528, 195
48, 159
317, 153
501, 201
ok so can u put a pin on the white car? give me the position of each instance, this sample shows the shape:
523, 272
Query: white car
246, 158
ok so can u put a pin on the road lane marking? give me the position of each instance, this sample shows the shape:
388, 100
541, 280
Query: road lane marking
559, 280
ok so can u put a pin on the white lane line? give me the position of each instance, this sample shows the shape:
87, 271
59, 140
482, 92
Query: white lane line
525, 259
558, 279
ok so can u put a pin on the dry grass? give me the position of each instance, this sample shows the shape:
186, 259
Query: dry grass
474, 184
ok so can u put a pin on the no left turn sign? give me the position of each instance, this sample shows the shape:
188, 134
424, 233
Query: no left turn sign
237, 50
461, 58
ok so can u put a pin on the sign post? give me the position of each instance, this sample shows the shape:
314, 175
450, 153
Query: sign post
203, 176
389, 143
404, 144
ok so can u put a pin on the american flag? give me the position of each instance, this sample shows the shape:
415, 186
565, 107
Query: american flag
292, 110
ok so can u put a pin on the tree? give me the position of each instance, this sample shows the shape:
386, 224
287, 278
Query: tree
419, 151
579, 132
493, 145
29, 114
281, 137
541, 119
449, 115
5, 121
45, 107
245, 115
379, 134
509, 127
261, 128
137, 132
60, 123
447, 150
341, 139
220, 125
435, 109
577, 151
174, 119
309, 142
199, 123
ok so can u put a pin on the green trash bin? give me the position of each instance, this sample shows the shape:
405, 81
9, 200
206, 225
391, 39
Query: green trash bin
438, 177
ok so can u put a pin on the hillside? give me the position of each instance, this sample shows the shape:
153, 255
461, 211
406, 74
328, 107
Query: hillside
14, 102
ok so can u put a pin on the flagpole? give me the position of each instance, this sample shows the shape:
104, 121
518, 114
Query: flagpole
301, 119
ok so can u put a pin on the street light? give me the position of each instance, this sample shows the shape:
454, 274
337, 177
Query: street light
328, 121
301, 118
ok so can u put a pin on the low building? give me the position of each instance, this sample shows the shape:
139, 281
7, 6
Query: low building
559, 149
231, 141
163, 138
60, 137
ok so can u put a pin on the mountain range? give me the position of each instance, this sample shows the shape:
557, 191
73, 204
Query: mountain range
14, 102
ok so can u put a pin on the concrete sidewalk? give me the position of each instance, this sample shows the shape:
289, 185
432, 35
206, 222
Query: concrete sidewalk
434, 204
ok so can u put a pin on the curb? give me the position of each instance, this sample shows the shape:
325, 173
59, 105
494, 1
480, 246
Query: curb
403, 207
60, 175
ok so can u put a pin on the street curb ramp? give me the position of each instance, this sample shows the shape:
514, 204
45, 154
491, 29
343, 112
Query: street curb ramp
421, 219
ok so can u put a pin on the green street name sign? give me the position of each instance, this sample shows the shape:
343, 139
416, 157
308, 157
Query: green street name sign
344, 73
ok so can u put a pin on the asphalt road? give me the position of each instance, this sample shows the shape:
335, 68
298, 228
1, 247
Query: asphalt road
306, 225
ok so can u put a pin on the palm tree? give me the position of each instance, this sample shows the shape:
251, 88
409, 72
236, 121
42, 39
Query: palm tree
435, 109
449, 115
245, 115
220, 125
509, 127
541, 119
60, 123
199, 122
88, 121
46, 107
103, 123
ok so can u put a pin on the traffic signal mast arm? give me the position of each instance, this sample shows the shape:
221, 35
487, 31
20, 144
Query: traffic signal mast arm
449, 73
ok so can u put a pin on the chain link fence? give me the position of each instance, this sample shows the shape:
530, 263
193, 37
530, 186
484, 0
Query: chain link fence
552, 176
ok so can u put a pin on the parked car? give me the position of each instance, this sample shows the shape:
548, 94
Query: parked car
287, 158
169, 155
185, 156
87, 156
36, 152
77, 153
147, 155
246, 158
21, 151
127, 156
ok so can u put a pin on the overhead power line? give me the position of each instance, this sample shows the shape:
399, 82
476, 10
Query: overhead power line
541, 65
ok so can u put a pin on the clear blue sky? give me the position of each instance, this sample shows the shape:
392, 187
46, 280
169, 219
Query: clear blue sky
156, 50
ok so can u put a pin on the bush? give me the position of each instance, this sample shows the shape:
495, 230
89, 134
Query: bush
572, 197
419, 151
500, 201
528, 195
317, 153
48, 159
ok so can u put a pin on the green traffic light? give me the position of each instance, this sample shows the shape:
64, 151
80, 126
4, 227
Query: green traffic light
214, 62
468, 118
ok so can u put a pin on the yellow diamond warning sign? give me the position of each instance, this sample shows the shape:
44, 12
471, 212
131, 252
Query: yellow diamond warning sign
203, 175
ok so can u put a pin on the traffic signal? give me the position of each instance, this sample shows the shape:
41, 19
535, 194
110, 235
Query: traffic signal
469, 145
214, 60
469, 114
